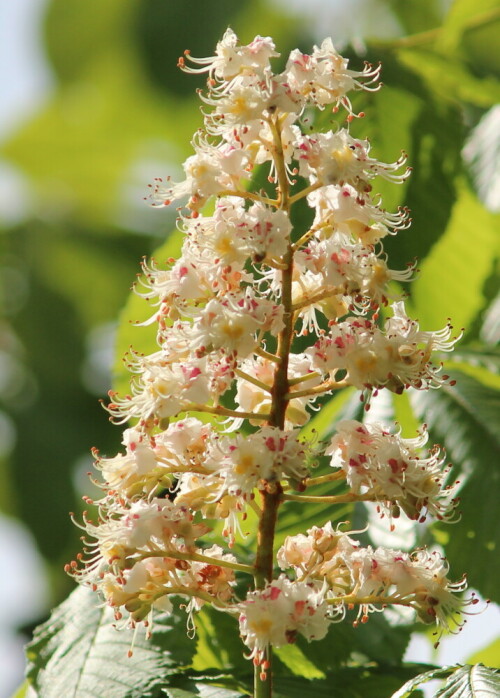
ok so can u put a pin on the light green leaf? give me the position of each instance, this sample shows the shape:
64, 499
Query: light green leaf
465, 15
451, 80
293, 657
478, 356
322, 423
452, 275
218, 643
489, 656
137, 309
24, 691
78, 652
464, 418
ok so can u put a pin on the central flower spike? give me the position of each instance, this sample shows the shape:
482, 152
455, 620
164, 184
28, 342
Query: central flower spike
259, 319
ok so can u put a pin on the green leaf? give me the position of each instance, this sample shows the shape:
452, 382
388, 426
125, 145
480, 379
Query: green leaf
199, 689
464, 418
375, 641
431, 132
489, 656
349, 682
408, 688
416, 15
71, 53
482, 152
293, 657
478, 356
461, 682
452, 275
23, 691
78, 652
451, 80
471, 681
137, 310
218, 643
463, 16
322, 423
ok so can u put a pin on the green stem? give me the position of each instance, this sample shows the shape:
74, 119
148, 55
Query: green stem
317, 390
196, 557
225, 412
329, 499
331, 477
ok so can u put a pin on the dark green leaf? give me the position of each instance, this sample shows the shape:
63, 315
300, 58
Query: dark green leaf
376, 641
350, 682
464, 419
78, 652
154, 18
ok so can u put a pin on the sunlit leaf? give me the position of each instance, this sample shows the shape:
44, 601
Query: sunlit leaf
489, 655
293, 657
78, 652
452, 275
451, 80
409, 687
461, 682
137, 309
471, 681
482, 152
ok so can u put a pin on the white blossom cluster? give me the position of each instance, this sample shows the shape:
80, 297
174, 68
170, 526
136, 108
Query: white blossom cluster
217, 408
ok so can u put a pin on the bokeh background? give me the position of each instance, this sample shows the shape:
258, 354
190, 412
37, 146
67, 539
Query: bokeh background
92, 109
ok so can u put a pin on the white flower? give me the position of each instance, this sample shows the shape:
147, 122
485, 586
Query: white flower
232, 60
233, 323
323, 78
376, 461
275, 615
396, 359
267, 455
344, 209
338, 158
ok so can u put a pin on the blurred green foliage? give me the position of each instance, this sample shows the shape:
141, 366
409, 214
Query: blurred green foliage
120, 114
